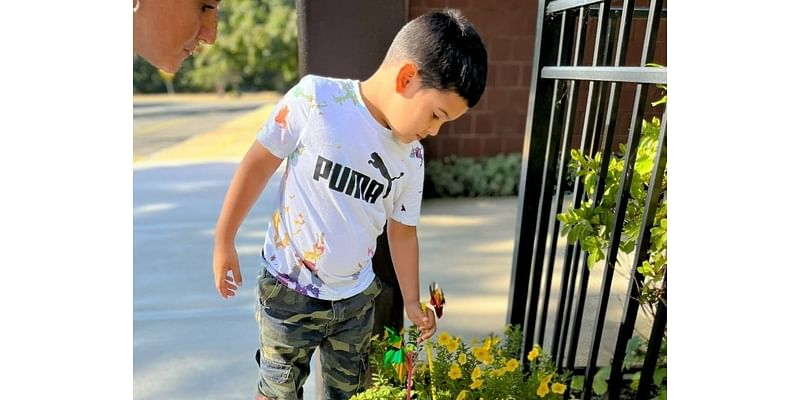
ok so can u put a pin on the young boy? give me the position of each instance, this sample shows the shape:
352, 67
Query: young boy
354, 163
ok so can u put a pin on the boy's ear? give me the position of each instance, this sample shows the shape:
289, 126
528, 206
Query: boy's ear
404, 77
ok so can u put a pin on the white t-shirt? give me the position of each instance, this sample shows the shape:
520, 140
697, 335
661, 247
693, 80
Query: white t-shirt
345, 175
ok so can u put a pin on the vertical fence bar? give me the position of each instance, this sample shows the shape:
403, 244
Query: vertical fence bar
643, 244
533, 150
596, 121
632, 305
608, 136
566, 138
632, 145
545, 195
631, 150
654, 347
599, 55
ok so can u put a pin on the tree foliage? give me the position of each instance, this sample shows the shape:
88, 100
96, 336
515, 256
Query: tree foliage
256, 49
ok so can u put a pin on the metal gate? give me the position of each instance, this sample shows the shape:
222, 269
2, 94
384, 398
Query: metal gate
564, 71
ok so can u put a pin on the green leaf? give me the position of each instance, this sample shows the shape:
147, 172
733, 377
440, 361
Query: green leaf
577, 382
628, 246
600, 381
630, 350
572, 236
592, 260
635, 378
659, 376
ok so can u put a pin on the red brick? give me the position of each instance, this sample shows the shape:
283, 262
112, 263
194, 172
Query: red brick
485, 123
499, 49
498, 98
449, 146
491, 145
432, 148
460, 4
519, 99
507, 75
483, 103
471, 147
446, 131
508, 121
522, 49
512, 144
415, 12
491, 75
527, 74
483, 23
462, 125
435, 3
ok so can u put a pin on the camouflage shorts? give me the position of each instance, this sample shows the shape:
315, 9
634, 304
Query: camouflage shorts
292, 325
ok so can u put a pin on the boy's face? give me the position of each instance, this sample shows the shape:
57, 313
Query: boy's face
415, 112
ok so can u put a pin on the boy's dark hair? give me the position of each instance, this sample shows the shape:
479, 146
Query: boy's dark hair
448, 51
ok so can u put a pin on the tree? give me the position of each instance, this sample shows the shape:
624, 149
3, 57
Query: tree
256, 48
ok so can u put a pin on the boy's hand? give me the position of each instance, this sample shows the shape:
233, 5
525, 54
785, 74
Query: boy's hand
226, 261
425, 320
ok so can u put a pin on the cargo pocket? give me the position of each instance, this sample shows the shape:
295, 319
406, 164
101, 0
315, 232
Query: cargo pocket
268, 287
275, 372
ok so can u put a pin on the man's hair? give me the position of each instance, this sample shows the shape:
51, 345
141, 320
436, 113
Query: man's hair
447, 50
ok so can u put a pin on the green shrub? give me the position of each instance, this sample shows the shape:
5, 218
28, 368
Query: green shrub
472, 177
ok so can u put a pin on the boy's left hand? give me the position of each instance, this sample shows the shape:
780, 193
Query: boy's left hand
425, 321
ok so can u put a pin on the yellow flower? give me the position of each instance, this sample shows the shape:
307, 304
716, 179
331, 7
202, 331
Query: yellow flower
476, 384
444, 338
476, 374
542, 390
548, 378
559, 388
455, 372
489, 342
452, 345
497, 372
462, 395
462, 359
533, 353
512, 365
482, 355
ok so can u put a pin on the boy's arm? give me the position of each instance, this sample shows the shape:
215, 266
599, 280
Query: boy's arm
251, 176
405, 256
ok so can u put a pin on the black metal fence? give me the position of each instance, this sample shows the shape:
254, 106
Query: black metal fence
547, 272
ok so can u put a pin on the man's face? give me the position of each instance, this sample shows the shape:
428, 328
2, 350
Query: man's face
169, 31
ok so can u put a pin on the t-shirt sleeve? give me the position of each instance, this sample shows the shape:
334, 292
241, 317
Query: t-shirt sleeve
408, 203
282, 131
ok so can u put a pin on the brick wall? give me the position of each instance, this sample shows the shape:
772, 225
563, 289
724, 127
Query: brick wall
497, 123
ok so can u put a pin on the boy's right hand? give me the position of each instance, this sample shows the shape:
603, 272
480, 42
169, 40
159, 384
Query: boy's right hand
226, 262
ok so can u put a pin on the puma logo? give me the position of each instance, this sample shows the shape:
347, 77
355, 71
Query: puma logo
377, 162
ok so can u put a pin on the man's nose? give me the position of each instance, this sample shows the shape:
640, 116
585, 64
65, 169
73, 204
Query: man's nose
434, 130
208, 30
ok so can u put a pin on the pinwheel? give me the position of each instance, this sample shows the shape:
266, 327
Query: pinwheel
401, 356
437, 305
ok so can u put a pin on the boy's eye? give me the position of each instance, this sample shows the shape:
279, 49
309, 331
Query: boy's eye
207, 7
435, 116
